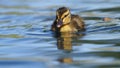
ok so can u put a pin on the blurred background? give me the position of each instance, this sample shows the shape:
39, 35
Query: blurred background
26, 40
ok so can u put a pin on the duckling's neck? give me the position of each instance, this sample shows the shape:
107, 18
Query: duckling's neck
67, 28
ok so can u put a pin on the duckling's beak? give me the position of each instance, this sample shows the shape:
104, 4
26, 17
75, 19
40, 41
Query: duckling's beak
59, 24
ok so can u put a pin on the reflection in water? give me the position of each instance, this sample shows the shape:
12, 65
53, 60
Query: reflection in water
66, 60
64, 42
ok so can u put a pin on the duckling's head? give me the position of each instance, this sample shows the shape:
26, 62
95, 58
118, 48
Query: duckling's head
63, 16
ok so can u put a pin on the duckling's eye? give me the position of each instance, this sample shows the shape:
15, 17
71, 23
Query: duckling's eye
65, 15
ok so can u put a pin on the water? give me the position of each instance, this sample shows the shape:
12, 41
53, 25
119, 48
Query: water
26, 42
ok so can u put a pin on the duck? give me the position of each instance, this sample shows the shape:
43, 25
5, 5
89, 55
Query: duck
67, 22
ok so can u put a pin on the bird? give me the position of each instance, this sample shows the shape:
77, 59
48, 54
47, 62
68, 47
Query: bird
67, 22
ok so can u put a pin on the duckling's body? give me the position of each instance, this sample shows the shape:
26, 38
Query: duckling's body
67, 22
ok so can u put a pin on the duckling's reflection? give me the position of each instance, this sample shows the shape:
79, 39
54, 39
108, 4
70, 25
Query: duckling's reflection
64, 42
66, 60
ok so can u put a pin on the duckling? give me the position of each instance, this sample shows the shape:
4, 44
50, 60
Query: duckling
67, 22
